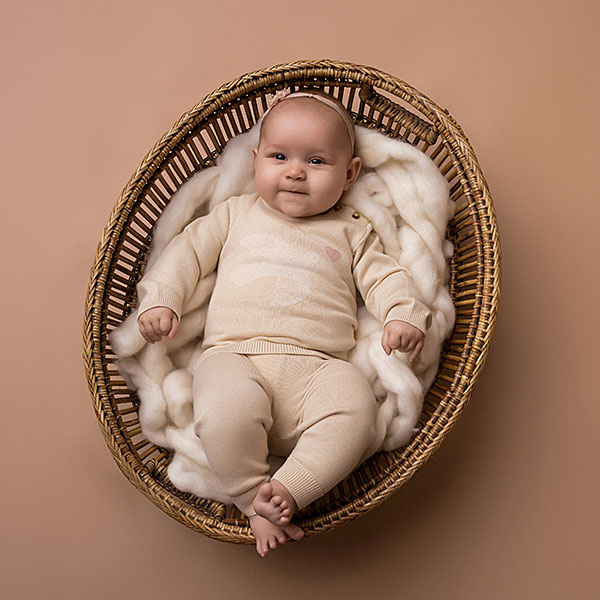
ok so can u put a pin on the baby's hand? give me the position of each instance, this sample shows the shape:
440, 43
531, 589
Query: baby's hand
398, 335
156, 322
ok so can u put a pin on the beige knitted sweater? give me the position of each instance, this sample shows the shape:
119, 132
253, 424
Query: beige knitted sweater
284, 284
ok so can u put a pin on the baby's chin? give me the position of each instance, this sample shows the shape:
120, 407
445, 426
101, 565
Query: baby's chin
299, 209
298, 212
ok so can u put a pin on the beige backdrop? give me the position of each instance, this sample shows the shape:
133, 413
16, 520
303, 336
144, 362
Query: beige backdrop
508, 506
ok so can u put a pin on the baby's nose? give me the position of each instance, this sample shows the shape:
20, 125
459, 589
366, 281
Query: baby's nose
296, 171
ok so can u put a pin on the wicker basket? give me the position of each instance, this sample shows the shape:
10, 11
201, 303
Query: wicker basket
376, 100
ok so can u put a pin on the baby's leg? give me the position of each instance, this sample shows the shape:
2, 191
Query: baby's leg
337, 427
232, 414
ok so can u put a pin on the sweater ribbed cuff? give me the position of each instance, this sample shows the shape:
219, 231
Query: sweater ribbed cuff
162, 298
418, 316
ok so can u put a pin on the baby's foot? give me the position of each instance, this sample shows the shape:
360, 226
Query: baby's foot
275, 503
269, 536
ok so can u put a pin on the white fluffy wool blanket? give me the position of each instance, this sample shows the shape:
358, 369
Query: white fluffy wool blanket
406, 198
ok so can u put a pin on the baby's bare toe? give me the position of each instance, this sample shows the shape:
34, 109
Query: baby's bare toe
282, 537
294, 532
264, 492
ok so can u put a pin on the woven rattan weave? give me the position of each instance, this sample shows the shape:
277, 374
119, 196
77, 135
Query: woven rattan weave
194, 142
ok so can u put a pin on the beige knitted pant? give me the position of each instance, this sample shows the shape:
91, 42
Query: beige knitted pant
318, 412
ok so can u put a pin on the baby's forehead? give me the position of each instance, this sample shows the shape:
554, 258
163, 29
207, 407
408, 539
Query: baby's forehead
294, 108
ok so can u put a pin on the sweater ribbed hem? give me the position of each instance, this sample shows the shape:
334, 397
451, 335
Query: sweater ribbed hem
299, 482
263, 347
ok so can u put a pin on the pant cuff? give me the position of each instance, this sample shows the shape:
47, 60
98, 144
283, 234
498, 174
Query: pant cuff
299, 482
244, 501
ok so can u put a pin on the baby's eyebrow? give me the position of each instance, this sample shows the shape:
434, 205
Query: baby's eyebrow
320, 153
273, 147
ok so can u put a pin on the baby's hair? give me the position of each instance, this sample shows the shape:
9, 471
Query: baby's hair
320, 97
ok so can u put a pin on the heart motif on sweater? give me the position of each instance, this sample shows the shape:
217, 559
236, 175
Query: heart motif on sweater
333, 254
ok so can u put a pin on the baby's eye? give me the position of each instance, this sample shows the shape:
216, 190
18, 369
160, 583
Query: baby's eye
279, 156
315, 161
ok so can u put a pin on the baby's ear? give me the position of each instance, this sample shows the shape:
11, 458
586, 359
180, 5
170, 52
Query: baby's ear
352, 172
254, 152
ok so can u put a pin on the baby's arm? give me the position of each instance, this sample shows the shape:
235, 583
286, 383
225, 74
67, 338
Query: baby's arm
170, 282
391, 295
156, 322
399, 335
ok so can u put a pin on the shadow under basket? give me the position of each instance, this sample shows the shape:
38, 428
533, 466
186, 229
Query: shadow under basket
378, 101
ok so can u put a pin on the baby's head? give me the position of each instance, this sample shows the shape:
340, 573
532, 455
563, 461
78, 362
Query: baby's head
305, 159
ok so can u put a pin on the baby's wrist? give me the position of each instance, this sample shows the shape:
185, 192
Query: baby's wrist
400, 324
154, 313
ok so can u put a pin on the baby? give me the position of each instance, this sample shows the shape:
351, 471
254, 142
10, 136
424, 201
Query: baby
274, 376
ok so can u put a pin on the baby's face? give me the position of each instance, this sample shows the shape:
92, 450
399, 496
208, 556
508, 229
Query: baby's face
303, 163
